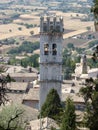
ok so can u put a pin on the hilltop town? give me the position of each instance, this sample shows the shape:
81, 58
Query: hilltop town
23, 30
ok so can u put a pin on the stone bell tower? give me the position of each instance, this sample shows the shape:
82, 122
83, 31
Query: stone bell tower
84, 64
51, 35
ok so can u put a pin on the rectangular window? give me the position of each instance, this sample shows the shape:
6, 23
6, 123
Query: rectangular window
45, 27
51, 27
58, 28
46, 49
54, 49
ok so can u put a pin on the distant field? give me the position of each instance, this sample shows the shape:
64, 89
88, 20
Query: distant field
4, 1
8, 12
69, 24
6, 33
28, 7
72, 22
28, 18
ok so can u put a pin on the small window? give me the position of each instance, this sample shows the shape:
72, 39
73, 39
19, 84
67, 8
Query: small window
51, 22
45, 27
51, 27
58, 28
46, 49
54, 49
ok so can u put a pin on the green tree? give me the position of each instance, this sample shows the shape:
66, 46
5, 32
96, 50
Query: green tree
3, 87
34, 60
68, 65
32, 32
52, 107
93, 43
90, 94
70, 45
20, 28
52, 128
67, 73
69, 116
31, 61
26, 46
11, 118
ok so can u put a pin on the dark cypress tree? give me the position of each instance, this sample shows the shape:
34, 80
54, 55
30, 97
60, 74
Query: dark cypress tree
69, 117
52, 107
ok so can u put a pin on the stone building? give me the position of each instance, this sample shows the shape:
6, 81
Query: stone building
83, 71
51, 35
21, 74
81, 68
31, 98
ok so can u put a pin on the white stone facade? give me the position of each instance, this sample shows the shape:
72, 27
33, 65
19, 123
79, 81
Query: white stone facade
82, 67
93, 73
